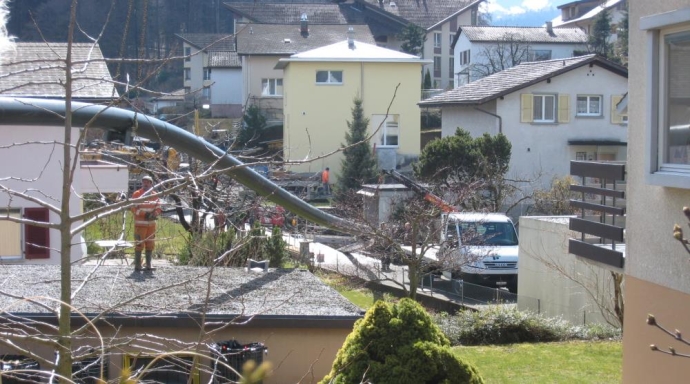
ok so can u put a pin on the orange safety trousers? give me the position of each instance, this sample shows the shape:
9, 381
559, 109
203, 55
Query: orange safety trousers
144, 237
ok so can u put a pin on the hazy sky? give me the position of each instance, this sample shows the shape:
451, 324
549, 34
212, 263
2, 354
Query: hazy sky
517, 7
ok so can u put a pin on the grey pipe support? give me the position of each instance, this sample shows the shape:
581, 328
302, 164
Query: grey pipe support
32, 112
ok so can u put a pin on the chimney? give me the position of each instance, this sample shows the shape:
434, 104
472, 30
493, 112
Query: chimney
549, 27
351, 38
304, 25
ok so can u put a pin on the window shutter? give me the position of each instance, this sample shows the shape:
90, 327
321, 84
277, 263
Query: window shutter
527, 110
36, 239
563, 108
616, 117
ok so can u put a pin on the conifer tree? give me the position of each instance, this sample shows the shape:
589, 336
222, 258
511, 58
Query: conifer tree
359, 164
599, 38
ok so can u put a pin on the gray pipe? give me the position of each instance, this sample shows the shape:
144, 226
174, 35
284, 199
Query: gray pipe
24, 111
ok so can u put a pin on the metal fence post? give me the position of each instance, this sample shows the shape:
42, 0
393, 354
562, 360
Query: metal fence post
538, 306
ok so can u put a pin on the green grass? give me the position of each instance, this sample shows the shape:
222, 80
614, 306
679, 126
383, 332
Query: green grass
563, 362
171, 238
352, 289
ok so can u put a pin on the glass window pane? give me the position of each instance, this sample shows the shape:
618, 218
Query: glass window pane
264, 87
549, 103
678, 110
594, 105
581, 105
336, 76
321, 76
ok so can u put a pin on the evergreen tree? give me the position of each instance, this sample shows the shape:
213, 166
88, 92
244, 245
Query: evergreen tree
254, 124
599, 38
359, 164
276, 248
622, 42
427, 80
399, 343
413, 38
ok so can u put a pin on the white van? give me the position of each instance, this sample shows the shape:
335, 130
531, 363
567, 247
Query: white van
483, 246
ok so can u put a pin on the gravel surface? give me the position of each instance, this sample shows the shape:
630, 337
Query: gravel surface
172, 290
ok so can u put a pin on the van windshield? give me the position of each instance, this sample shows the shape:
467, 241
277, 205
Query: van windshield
485, 233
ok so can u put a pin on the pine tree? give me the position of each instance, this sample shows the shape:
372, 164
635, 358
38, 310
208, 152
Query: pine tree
599, 38
276, 248
413, 38
427, 80
254, 124
359, 164
622, 42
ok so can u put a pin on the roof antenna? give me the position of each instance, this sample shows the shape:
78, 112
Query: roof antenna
351, 38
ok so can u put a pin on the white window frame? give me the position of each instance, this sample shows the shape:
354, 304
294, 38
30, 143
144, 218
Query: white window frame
464, 57
207, 73
588, 113
543, 97
438, 39
331, 79
390, 128
188, 54
271, 87
657, 171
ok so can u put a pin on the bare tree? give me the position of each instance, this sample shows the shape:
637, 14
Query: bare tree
511, 50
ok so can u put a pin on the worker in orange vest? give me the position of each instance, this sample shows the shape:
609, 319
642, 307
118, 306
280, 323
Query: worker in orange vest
145, 214
324, 180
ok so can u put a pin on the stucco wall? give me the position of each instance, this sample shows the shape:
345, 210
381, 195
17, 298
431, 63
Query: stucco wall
255, 68
658, 268
36, 170
196, 64
541, 151
316, 116
464, 18
563, 283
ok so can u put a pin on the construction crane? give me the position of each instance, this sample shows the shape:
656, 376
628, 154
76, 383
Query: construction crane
420, 190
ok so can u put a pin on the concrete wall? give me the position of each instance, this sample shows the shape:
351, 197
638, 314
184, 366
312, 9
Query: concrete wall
658, 267
316, 116
566, 286
35, 168
541, 151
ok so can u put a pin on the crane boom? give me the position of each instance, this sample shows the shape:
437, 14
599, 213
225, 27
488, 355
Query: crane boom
420, 190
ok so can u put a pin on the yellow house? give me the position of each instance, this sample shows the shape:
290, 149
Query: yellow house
319, 88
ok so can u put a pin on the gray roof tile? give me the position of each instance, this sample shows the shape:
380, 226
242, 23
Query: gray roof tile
526, 34
38, 70
223, 59
209, 41
270, 39
174, 290
424, 13
516, 78
290, 13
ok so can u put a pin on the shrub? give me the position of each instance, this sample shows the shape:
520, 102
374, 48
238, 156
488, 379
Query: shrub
398, 343
203, 249
507, 325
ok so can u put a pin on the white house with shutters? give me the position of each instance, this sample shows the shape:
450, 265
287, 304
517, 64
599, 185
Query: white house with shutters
552, 112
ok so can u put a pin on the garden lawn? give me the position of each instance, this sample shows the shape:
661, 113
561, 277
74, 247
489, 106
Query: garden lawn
565, 362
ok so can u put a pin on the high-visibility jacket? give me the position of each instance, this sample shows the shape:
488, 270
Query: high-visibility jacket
324, 176
143, 210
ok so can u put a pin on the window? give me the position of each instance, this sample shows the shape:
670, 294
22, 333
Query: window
273, 87
187, 54
588, 105
34, 241
451, 67
207, 73
437, 66
451, 37
187, 74
206, 92
465, 57
171, 369
668, 105
437, 39
328, 77
581, 156
539, 55
544, 108
390, 132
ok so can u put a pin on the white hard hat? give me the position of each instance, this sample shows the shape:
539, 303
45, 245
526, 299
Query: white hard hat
149, 178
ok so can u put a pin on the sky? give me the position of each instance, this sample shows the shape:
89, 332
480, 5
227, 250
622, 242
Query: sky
522, 12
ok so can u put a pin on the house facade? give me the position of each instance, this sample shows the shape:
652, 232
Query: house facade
210, 60
386, 19
301, 322
260, 46
657, 266
39, 175
582, 14
479, 51
551, 111
321, 85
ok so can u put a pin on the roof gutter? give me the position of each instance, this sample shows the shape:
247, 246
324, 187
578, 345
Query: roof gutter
500, 119
35, 112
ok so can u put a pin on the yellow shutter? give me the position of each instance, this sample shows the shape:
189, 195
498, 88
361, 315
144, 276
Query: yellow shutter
527, 109
563, 108
616, 118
